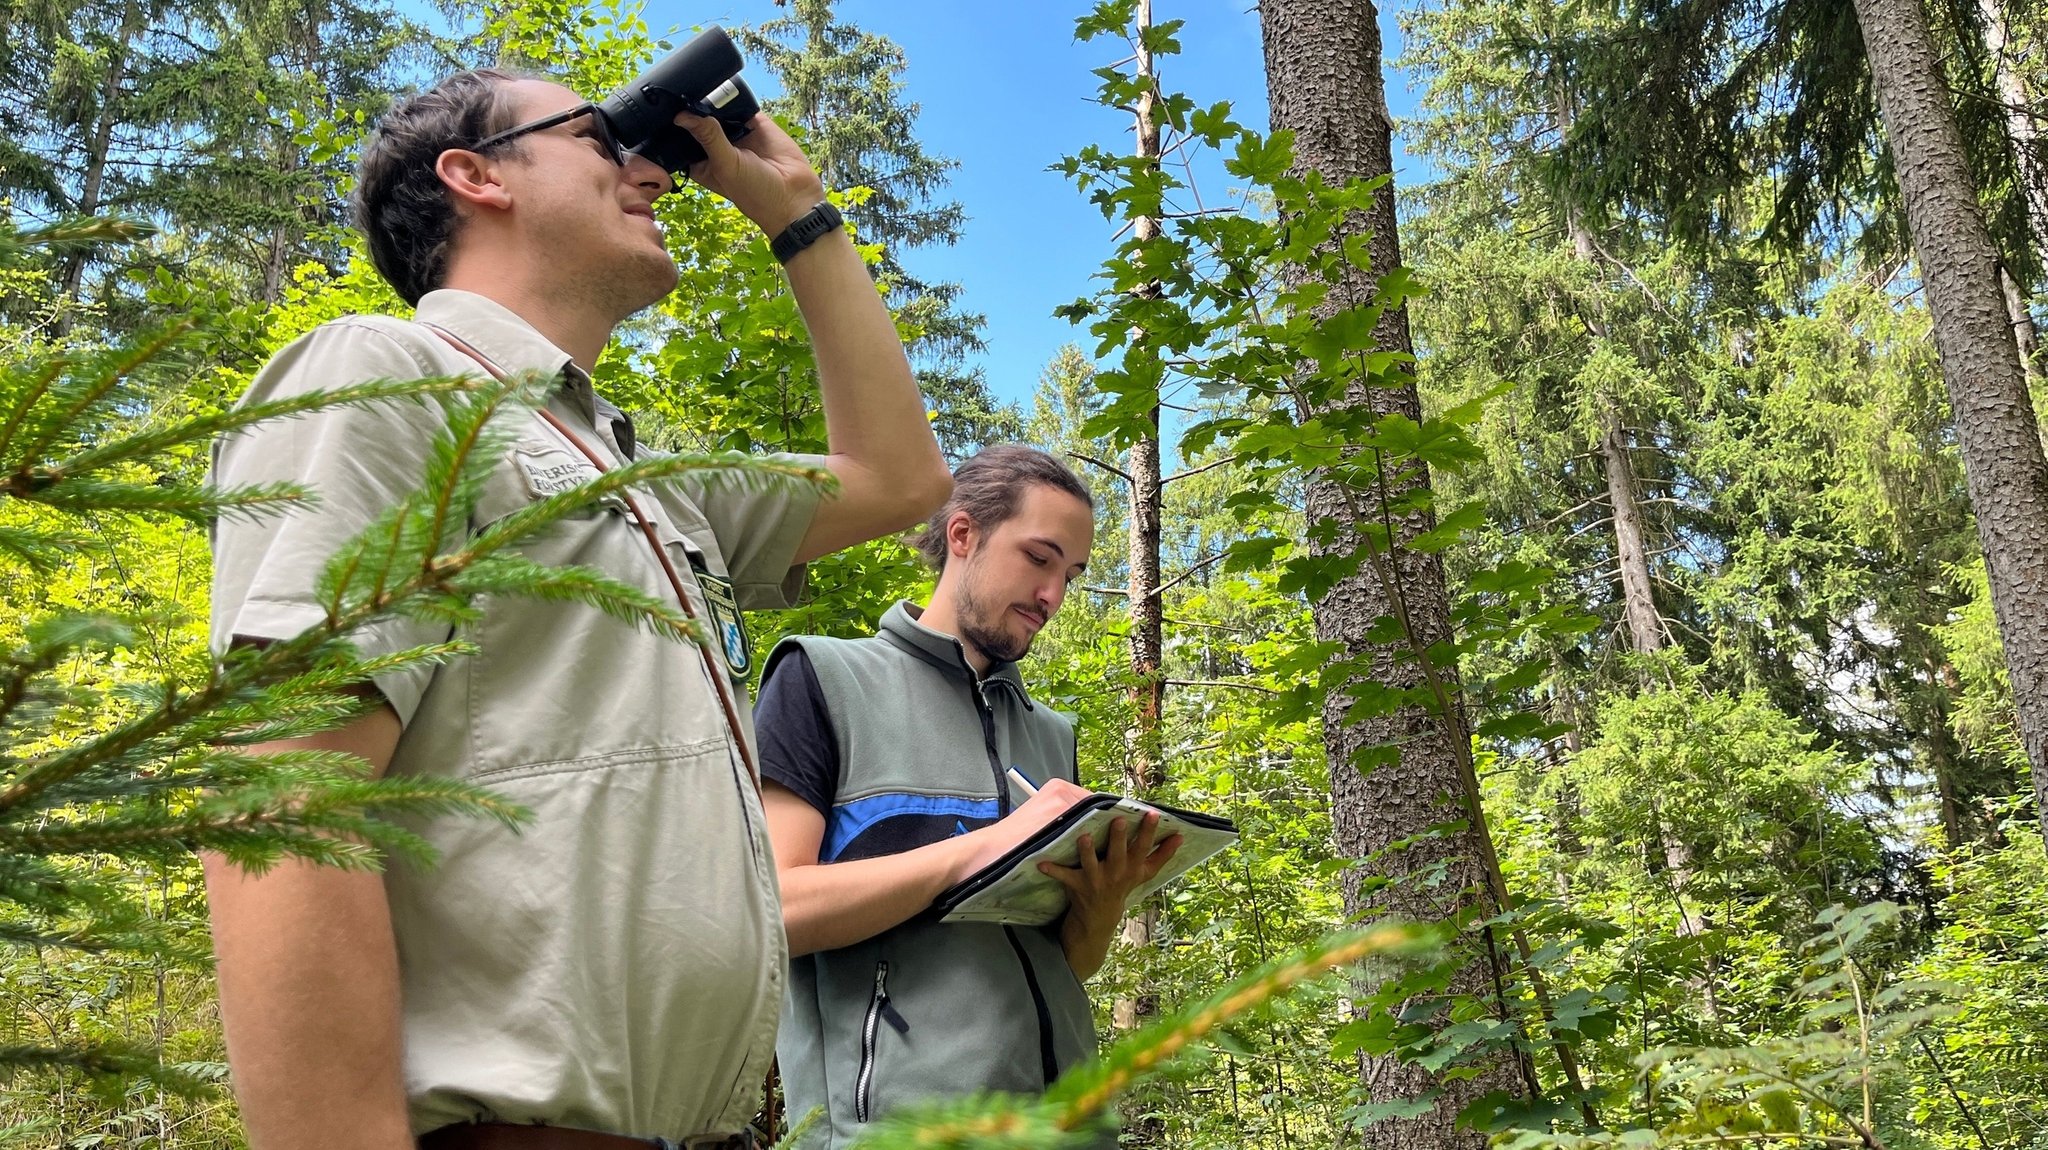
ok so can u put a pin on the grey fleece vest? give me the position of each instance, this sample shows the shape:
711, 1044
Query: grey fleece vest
926, 1009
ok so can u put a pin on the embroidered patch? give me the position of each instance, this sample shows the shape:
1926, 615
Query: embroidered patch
726, 627
552, 472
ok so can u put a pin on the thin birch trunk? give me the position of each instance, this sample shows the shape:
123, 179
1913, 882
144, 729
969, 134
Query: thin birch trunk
1142, 773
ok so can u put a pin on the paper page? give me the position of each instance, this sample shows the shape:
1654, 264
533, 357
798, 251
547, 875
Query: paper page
1025, 897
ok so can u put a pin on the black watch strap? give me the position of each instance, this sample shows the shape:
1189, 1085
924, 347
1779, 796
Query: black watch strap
820, 221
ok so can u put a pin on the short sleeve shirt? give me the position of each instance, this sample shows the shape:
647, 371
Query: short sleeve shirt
616, 963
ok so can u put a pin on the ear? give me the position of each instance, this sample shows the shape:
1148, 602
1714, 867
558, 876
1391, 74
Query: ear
961, 536
472, 181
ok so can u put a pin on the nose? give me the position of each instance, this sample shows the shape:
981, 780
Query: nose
1051, 594
645, 173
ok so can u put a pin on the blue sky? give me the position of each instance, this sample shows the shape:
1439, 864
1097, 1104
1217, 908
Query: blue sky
1006, 91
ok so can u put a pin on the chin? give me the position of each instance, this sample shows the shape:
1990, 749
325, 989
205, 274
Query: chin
658, 277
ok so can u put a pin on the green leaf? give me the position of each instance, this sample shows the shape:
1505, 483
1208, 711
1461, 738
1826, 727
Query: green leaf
1261, 159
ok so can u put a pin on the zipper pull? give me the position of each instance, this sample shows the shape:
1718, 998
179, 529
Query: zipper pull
895, 1020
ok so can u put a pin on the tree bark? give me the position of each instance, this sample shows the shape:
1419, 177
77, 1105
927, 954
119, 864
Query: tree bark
1324, 82
99, 145
1645, 626
2019, 126
1142, 773
1980, 362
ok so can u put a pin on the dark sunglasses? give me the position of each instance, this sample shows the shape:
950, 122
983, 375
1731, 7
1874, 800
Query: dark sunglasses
604, 136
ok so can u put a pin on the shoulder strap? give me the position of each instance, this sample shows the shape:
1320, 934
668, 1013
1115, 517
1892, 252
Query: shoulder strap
719, 685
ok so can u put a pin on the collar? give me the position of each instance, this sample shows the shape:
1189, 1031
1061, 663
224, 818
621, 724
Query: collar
900, 626
509, 341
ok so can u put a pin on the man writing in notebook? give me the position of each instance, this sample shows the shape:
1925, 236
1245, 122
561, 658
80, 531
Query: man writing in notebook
609, 976
887, 766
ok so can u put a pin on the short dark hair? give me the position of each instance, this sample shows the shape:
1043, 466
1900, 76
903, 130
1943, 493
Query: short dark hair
988, 488
401, 206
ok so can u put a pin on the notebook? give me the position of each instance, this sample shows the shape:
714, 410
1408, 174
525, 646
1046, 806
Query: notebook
1012, 890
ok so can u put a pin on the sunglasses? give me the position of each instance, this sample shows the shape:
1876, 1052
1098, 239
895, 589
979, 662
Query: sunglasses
603, 128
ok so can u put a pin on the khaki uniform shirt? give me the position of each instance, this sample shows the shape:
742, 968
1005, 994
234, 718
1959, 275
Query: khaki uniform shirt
616, 964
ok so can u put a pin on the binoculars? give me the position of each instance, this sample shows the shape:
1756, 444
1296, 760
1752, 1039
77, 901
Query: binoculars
702, 76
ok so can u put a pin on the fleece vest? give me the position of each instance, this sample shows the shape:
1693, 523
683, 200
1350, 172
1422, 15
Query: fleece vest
926, 1009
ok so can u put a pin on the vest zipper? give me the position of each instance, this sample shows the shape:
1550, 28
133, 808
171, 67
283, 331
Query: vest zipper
879, 1009
1048, 1061
988, 734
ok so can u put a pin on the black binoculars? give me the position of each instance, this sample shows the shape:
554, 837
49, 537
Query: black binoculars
702, 76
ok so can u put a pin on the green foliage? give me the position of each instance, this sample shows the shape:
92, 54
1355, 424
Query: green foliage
1825, 1084
1829, 722
1072, 1109
1989, 1069
844, 88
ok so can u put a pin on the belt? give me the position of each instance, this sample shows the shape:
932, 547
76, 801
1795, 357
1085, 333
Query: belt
508, 1136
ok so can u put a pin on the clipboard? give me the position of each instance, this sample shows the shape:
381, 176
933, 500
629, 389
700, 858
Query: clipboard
1011, 889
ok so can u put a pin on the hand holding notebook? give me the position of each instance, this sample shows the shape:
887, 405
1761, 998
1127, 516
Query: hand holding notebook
1012, 888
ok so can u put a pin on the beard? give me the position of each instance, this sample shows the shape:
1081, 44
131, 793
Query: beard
981, 624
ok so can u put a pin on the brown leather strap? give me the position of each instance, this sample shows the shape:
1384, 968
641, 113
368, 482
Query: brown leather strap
719, 685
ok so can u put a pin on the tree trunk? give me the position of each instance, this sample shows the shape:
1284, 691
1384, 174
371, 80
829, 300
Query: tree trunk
2026, 146
1980, 363
1645, 626
1324, 82
100, 145
2024, 337
1639, 607
1142, 774
2019, 126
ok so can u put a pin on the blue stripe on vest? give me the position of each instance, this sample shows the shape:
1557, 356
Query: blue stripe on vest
849, 820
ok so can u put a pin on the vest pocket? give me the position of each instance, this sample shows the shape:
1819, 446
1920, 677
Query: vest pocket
880, 1009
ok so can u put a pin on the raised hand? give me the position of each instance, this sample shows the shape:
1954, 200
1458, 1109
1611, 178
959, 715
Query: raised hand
766, 176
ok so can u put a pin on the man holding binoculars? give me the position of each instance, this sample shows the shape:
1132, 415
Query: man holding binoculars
607, 977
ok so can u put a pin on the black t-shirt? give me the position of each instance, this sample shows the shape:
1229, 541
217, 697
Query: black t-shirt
798, 749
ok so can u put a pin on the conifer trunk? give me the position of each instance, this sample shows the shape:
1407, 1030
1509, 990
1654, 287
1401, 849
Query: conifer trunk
1645, 626
2019, 125
99, 145
1324, 82
2026, 145
1980, 362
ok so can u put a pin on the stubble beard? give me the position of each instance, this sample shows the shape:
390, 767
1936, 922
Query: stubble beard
983, 628
635, 286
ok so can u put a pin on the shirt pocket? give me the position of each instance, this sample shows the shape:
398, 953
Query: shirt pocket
536, 469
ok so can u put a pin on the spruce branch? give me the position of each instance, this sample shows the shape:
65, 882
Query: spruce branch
108, 1062
206, 428
1081, 1095
732, 465
77, 398
30, 393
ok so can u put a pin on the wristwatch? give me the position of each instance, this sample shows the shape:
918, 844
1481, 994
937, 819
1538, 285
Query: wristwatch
820, 221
